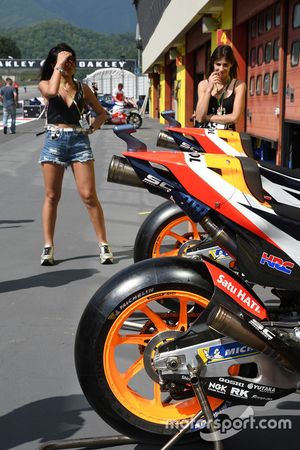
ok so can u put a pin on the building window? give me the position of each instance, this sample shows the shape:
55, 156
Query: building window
253, 28
266, 87
269, 20
258, 85
275, 83
268, 52
253, 57
277, 15
261, 23
276, 49
295, 53
251, 86
296, 16
260, 55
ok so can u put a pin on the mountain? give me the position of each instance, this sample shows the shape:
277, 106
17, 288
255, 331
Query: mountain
35, 41
103, 16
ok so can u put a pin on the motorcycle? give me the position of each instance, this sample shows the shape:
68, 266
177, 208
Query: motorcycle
122, 113
170, 340
167, 231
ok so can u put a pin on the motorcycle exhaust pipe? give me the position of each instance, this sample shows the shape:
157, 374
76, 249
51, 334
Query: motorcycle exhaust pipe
219, 235
229, 324
165, 140
121, 172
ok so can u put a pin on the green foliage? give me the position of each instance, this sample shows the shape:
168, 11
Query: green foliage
8, 47
35, 41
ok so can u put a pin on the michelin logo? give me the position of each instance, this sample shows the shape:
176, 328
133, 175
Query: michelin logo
226, 351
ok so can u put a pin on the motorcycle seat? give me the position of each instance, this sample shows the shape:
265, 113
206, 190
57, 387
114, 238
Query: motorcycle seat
290, 212
247, 144
252, 177
283, 176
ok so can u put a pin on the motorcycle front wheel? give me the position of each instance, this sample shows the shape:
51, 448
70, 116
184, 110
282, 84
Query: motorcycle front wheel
135, 120
142, 302
164, 231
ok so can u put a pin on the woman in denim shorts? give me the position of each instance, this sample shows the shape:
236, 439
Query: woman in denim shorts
67, 144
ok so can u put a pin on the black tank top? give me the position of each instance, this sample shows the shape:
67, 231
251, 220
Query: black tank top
59, 112
227, 103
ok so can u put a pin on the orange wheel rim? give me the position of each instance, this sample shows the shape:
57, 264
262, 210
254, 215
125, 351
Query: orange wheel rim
173, 238
129, 382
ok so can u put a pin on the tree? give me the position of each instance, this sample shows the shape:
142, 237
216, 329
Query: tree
8, 47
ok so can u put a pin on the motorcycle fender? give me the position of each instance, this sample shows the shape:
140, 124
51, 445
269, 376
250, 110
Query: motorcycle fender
235, 289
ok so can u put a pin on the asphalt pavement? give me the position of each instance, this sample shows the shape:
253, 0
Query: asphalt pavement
40, 307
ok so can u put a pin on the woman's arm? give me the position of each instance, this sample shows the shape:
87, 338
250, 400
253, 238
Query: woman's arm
50, 88
204, 93
93, 102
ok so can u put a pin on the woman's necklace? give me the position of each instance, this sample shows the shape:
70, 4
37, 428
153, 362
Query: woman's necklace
220, 97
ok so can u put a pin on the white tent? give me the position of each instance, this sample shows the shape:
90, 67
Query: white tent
108, 79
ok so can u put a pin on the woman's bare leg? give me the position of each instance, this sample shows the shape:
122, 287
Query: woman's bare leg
53, 177
85, 180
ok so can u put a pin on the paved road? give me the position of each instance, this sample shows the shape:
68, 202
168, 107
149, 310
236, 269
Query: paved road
40, 307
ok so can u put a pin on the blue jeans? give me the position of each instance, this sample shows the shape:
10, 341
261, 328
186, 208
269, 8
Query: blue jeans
66, 147
10, 111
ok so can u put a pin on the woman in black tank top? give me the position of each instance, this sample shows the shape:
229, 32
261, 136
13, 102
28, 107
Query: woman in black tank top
67, 143
221, 97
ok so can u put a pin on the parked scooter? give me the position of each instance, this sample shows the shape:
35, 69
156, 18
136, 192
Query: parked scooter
171, 340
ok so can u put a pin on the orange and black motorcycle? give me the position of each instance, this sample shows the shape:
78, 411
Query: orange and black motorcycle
167, 230
168, 340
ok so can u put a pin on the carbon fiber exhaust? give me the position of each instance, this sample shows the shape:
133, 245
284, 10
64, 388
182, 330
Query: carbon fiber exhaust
229, 324
223, 321
121, 172
165, 140
219, 234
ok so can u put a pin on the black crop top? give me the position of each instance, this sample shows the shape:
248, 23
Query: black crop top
59, 112
227, 104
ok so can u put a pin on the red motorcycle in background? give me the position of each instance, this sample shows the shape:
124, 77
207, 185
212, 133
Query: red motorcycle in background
122, 112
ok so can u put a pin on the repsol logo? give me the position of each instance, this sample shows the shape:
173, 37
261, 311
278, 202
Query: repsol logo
276, 263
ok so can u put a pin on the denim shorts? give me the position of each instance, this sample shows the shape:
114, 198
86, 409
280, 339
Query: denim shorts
66, 147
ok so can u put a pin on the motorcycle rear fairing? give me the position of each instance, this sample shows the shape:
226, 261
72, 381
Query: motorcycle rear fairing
210, 141
228, 193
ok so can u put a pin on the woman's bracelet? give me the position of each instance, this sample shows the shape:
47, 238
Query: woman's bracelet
60, 69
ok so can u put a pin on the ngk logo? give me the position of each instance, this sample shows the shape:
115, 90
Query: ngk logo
274, 262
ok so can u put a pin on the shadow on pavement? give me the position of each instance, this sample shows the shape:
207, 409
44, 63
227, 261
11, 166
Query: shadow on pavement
50, 279
14, 223
43, 420
126, 254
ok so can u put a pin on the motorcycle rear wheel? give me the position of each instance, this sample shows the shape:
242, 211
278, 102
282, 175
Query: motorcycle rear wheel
135, 120
109, 359
164, 231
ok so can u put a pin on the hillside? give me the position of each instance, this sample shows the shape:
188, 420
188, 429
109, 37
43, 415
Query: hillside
104, 16
35, 41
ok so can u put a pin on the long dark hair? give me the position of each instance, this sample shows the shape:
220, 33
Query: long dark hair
223, 51
50, 61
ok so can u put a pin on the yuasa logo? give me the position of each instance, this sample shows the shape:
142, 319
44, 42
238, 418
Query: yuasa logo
274, 262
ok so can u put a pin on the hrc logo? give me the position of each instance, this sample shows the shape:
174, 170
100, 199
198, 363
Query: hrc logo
277, 263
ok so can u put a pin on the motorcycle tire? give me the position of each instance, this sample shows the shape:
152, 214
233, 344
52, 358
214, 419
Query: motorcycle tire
135, 120
109, 360
164, 231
